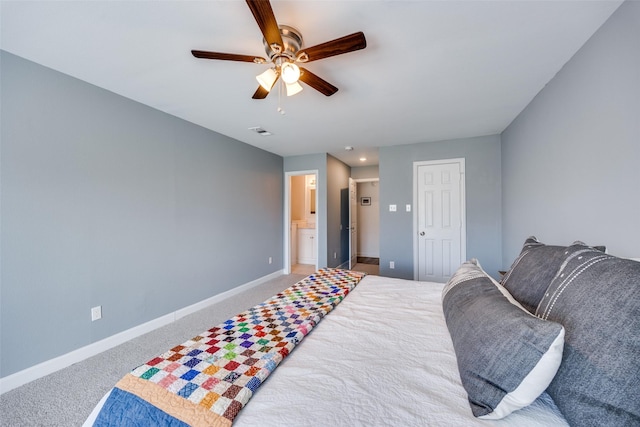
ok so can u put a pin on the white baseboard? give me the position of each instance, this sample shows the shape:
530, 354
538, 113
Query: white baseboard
50, 366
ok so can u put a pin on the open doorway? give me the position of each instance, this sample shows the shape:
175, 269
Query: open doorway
301, 232
366, 232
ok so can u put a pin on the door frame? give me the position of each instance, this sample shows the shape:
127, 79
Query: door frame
287, 216
463, 215
355, 235
353, 214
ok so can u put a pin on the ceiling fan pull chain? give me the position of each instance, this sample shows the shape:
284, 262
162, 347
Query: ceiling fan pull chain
280, 109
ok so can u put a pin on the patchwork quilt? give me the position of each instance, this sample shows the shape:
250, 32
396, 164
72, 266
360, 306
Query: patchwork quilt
207, 380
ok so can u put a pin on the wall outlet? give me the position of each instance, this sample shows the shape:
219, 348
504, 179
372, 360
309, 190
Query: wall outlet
392, 264
270, 260
96, 313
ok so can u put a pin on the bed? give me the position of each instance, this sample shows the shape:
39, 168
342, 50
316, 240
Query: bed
382, 357
388, 351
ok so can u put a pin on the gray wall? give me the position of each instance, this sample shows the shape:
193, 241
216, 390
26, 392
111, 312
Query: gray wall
365, 172
108, 202
315, 162
571, 160
483, 200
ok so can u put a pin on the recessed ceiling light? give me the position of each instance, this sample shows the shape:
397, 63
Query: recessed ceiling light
260, 131
363, 159
348, 148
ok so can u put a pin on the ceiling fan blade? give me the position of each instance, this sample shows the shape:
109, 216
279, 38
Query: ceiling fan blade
266, 20
261, 93
346, 44
317, 83
227, 56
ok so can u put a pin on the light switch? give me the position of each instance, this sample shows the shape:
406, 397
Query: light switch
392, 208
408, 208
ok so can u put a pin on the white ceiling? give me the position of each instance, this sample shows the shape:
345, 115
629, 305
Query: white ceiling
432, 70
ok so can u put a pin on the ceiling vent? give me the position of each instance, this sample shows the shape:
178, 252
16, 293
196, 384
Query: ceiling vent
260, 131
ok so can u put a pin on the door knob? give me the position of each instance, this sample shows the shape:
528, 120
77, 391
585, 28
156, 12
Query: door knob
422, 233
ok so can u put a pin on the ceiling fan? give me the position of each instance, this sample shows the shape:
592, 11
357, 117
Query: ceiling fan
284, 48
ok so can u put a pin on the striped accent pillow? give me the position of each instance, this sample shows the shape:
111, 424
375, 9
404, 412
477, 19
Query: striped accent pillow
506, 356
597, 299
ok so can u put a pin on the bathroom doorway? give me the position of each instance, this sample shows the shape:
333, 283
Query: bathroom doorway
301, 235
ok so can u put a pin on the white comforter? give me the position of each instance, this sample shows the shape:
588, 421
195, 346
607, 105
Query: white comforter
382, 357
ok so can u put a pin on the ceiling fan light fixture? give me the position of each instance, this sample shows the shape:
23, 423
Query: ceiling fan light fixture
293, 88
284, 47
290, 72
267, 79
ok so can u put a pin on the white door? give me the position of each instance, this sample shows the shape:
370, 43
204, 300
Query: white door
353, 223
440, 240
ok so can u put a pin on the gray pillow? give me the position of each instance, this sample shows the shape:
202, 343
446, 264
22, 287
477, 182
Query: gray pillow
534, 269
597, 299
506, 356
